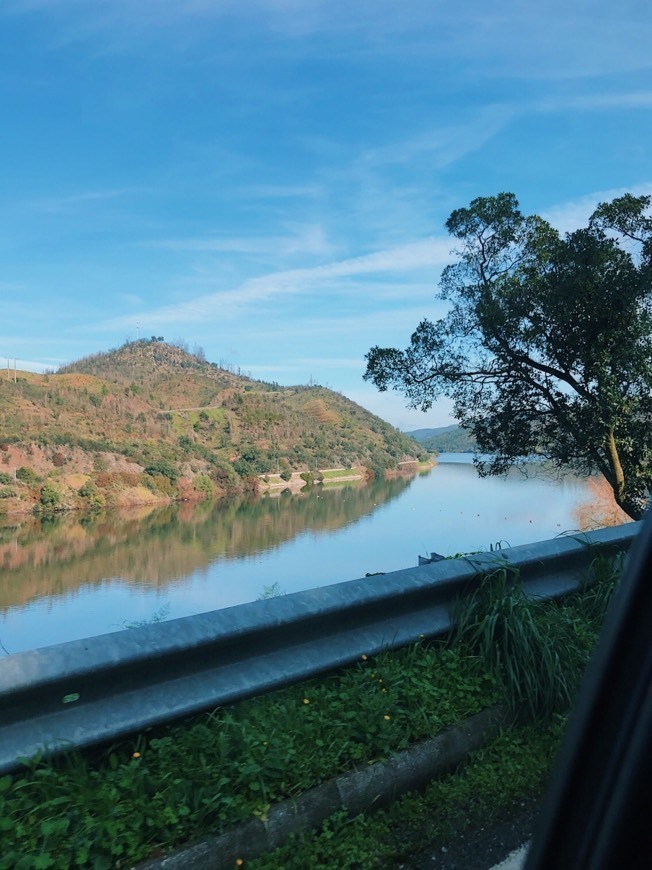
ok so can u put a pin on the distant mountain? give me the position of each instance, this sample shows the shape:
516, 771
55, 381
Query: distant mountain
445, 439
150, 414
422, 435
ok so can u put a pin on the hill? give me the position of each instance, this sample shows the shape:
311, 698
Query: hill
152, 417
445, 439
422, 435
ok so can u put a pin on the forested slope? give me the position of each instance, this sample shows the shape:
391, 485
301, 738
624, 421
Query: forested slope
151, 415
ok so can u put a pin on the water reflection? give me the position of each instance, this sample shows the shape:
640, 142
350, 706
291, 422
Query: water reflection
76, 576
44, 557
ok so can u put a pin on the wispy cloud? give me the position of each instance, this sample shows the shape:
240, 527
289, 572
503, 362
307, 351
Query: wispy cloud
569, 216
410, 257
281, 191
74, 202
599, 101
558, 39
444, 144
310, 240
372, 328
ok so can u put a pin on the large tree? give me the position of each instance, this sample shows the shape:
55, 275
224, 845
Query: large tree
547, 344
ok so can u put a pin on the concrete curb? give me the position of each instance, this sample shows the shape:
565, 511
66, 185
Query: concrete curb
360, 790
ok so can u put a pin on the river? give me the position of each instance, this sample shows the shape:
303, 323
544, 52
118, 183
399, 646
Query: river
74, 576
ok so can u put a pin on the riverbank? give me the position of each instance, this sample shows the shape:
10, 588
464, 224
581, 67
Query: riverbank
35, 478
295, 482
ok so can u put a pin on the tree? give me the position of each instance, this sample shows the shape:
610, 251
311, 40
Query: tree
547, 344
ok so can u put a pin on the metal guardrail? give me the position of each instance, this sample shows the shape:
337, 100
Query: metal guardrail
96, 690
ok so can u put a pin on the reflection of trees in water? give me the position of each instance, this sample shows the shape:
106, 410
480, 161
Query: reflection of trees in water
49, 556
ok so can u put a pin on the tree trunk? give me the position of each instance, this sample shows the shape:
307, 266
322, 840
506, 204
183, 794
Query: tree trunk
632, 507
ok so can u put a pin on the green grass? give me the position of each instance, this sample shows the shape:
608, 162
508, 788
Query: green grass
538, 649
222, 768
180, 783
339, 484
511, 769
339, 472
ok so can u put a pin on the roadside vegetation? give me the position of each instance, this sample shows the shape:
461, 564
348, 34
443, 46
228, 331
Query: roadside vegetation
177, 784
510, 771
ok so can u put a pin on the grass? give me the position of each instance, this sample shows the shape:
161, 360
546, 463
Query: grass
338, 473
511, 769
537, 649
177, 784
170, 787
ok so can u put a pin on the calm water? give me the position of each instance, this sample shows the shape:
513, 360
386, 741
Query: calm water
73, 577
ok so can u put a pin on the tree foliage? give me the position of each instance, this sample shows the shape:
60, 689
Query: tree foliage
547, 344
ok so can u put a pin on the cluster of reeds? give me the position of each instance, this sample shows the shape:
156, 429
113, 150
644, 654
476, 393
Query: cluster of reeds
537, 648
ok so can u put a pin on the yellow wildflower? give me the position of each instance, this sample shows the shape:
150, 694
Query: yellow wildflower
136, 755
306, 700
386, 717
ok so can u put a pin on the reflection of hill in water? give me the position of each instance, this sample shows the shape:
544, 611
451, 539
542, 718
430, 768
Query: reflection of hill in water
46, 557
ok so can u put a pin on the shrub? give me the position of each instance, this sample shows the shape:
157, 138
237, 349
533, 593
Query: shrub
250, 453
204, 484
186, 443
160, 483
286, 475
244, 468
51, 496
99, 463
27, 475
58, 459
534, 647
118, 478
163, 468
7, 492
5, 478
91, 494
224, 476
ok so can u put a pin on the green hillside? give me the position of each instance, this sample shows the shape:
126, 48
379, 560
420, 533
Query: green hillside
445, 439
151, 414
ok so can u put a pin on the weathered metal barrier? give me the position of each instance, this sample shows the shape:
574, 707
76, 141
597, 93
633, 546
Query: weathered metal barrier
94, 691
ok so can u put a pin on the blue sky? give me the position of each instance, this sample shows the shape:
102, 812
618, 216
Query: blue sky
269, 179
